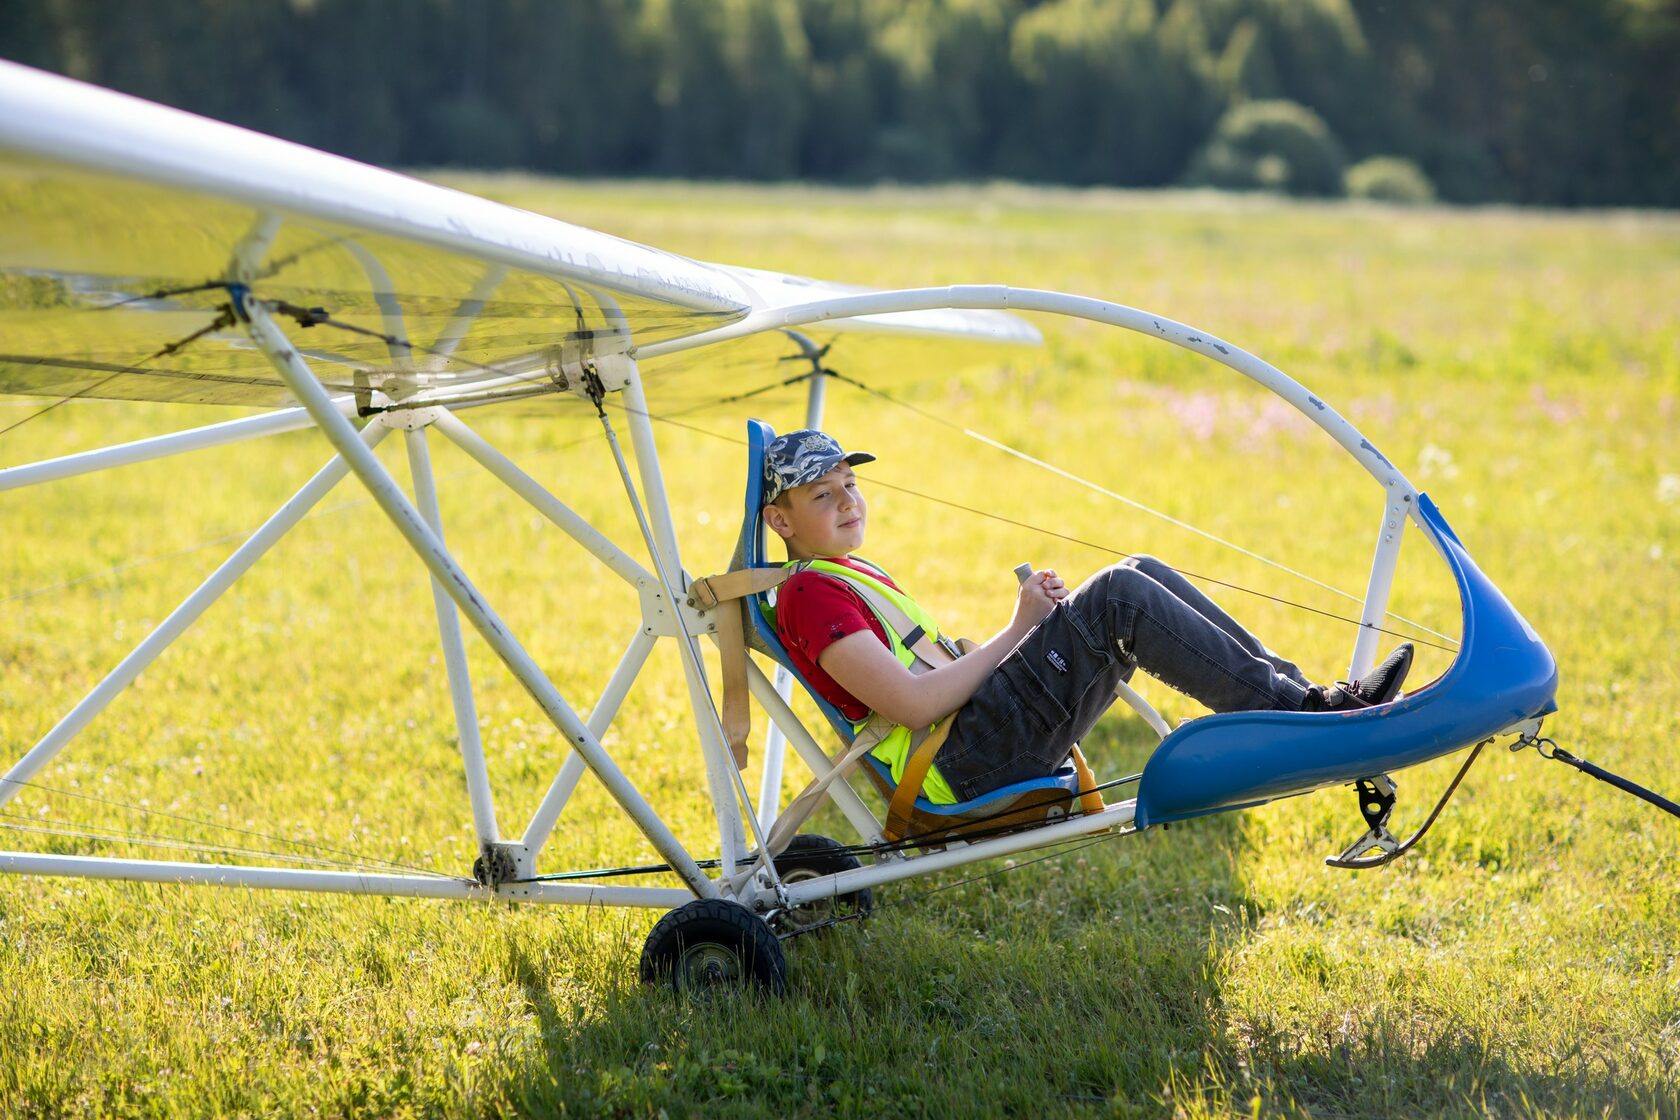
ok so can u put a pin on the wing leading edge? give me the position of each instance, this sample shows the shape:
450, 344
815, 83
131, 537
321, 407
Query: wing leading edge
127, 220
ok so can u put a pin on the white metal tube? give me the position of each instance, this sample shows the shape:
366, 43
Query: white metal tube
158, 447
720, 764
775, 740
851, 805
811, 890
1143, 708
1002, 297
600, 718
234, 875
335, 882
183, 616
454, 652
1398, 504
598, 546
654, 497
775, 758
586, 894
431, 551
466, 314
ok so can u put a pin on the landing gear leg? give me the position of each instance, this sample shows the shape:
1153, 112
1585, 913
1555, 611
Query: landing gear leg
1376, 802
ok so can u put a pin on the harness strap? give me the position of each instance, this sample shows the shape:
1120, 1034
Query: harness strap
1090, 797
903, 804
733, 588
891, 615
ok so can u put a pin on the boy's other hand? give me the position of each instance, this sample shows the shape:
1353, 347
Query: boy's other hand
1039, 593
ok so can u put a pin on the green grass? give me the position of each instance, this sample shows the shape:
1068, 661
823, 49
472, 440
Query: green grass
1524, 368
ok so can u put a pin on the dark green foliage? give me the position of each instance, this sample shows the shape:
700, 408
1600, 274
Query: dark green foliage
1563, 102
1271, 146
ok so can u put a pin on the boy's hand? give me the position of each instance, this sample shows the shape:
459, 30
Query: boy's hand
1039, 593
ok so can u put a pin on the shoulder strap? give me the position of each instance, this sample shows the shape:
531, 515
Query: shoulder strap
892, 616
722, 592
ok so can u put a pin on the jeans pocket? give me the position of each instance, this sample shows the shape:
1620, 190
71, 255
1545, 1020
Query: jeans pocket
1040, 709
1079, 622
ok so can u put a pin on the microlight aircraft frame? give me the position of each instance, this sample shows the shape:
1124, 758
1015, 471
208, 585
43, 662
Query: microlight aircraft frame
626, 305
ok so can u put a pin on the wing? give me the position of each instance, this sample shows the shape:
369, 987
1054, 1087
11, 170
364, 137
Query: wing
125, 223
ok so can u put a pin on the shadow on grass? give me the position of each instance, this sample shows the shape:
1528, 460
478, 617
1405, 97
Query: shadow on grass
970, 992
1090, 984
1405, 1066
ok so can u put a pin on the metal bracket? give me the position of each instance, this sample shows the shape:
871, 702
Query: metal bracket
1527, 733
502, 863
381, 402
660, 618
591, 362
1376, 802
408, 419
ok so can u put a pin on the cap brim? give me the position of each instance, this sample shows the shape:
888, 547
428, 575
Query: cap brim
857, 458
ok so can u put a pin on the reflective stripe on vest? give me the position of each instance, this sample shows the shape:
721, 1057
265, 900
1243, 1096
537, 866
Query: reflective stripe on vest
897, 743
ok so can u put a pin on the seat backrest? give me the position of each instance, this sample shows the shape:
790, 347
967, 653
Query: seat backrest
749, 553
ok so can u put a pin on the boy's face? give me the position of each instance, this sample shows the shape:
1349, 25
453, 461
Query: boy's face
821, 518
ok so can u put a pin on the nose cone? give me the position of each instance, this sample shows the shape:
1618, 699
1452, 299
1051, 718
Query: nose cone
1503, 675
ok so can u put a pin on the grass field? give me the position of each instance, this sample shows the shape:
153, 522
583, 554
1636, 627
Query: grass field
1524, 368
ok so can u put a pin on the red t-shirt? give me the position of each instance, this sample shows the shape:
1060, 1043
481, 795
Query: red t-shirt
813, 611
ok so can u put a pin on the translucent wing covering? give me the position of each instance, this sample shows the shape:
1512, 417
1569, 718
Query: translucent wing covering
125, 223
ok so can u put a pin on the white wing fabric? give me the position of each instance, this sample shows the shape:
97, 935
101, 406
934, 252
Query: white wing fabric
125, 222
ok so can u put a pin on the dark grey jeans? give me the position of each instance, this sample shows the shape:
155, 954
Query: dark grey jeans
1025, 717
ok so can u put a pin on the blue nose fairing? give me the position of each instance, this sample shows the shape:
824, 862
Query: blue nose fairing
1503, 674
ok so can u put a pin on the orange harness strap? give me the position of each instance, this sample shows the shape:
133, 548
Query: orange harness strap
903, 804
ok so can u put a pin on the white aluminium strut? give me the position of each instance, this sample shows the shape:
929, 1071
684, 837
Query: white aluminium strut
159, 447
1003, 297
775, 740
336, 882
1115, 817
454, 653
600, 718
301, 381
776, 707
1398, 502
599, 546
183, 616
720, 764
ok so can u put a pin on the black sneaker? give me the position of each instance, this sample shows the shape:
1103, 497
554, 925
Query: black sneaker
1380, 687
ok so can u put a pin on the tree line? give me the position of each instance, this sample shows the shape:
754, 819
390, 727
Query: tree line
1555, 102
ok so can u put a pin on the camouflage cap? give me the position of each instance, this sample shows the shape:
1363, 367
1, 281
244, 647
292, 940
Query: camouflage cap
797, 458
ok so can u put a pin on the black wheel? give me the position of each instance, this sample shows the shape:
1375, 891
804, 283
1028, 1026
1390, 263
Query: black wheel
809, 856
713, 943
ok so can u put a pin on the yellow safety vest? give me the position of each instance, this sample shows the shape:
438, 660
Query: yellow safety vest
895, 745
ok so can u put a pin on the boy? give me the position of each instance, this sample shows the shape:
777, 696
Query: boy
1023, 698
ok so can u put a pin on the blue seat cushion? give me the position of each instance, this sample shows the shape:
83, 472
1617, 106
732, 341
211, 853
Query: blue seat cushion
1066, 779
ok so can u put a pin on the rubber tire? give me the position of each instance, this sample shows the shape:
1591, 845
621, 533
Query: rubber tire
808, 856
713, 943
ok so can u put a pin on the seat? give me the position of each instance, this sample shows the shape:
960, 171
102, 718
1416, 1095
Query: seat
1061, 787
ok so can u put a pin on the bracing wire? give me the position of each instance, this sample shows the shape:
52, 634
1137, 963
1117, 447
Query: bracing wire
357, 859
1109, 550
224, 318
966, 831
1061, 472
73, 830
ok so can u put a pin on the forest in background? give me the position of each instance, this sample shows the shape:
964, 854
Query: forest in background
1544, 102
